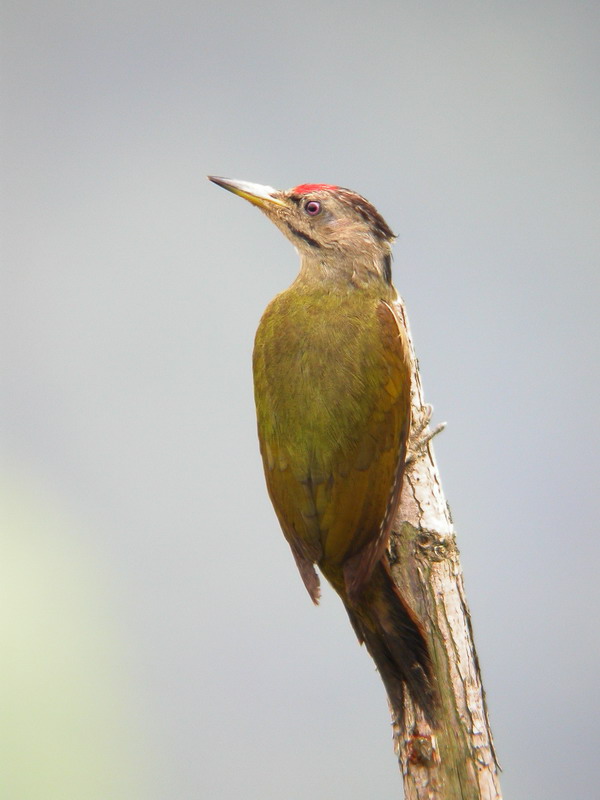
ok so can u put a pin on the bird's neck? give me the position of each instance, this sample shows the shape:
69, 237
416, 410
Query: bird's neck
344, 271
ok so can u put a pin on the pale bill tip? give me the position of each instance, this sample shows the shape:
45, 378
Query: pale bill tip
245, 188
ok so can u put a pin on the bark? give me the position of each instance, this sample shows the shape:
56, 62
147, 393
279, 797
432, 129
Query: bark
455, 760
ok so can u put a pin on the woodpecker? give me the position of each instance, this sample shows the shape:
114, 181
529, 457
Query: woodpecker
332, 386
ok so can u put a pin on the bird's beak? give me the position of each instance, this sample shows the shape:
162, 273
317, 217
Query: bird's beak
264, 197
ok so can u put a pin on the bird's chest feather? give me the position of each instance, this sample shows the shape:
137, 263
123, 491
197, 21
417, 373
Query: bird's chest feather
317, 371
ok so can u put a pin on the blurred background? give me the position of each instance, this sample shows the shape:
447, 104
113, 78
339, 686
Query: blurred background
157, 639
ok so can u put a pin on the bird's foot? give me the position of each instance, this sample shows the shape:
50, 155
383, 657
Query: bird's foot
421, 435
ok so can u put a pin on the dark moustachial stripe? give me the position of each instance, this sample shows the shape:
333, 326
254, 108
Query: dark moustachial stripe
301, 235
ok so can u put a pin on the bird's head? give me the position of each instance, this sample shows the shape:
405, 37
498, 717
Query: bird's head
337, 232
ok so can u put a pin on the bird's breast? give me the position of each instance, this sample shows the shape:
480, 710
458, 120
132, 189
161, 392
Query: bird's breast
317, 370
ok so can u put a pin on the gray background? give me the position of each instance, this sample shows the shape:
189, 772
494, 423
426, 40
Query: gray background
160, 642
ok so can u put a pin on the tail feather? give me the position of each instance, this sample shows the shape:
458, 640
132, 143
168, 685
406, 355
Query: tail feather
395, 641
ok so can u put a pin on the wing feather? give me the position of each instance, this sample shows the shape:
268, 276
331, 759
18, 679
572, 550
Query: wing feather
336, 502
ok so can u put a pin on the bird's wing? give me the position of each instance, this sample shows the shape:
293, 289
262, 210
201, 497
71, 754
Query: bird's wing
337, 510
357, 506
295, 508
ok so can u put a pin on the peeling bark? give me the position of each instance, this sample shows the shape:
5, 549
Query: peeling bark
455, 760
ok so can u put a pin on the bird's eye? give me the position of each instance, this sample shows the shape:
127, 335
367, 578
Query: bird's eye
312, 208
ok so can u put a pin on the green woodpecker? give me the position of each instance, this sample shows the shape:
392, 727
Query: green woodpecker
332, 381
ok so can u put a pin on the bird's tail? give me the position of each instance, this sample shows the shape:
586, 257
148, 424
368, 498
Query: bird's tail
394, 638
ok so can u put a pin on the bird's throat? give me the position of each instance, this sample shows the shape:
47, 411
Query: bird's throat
345, 272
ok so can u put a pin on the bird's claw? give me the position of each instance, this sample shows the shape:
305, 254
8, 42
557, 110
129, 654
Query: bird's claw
421, 435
